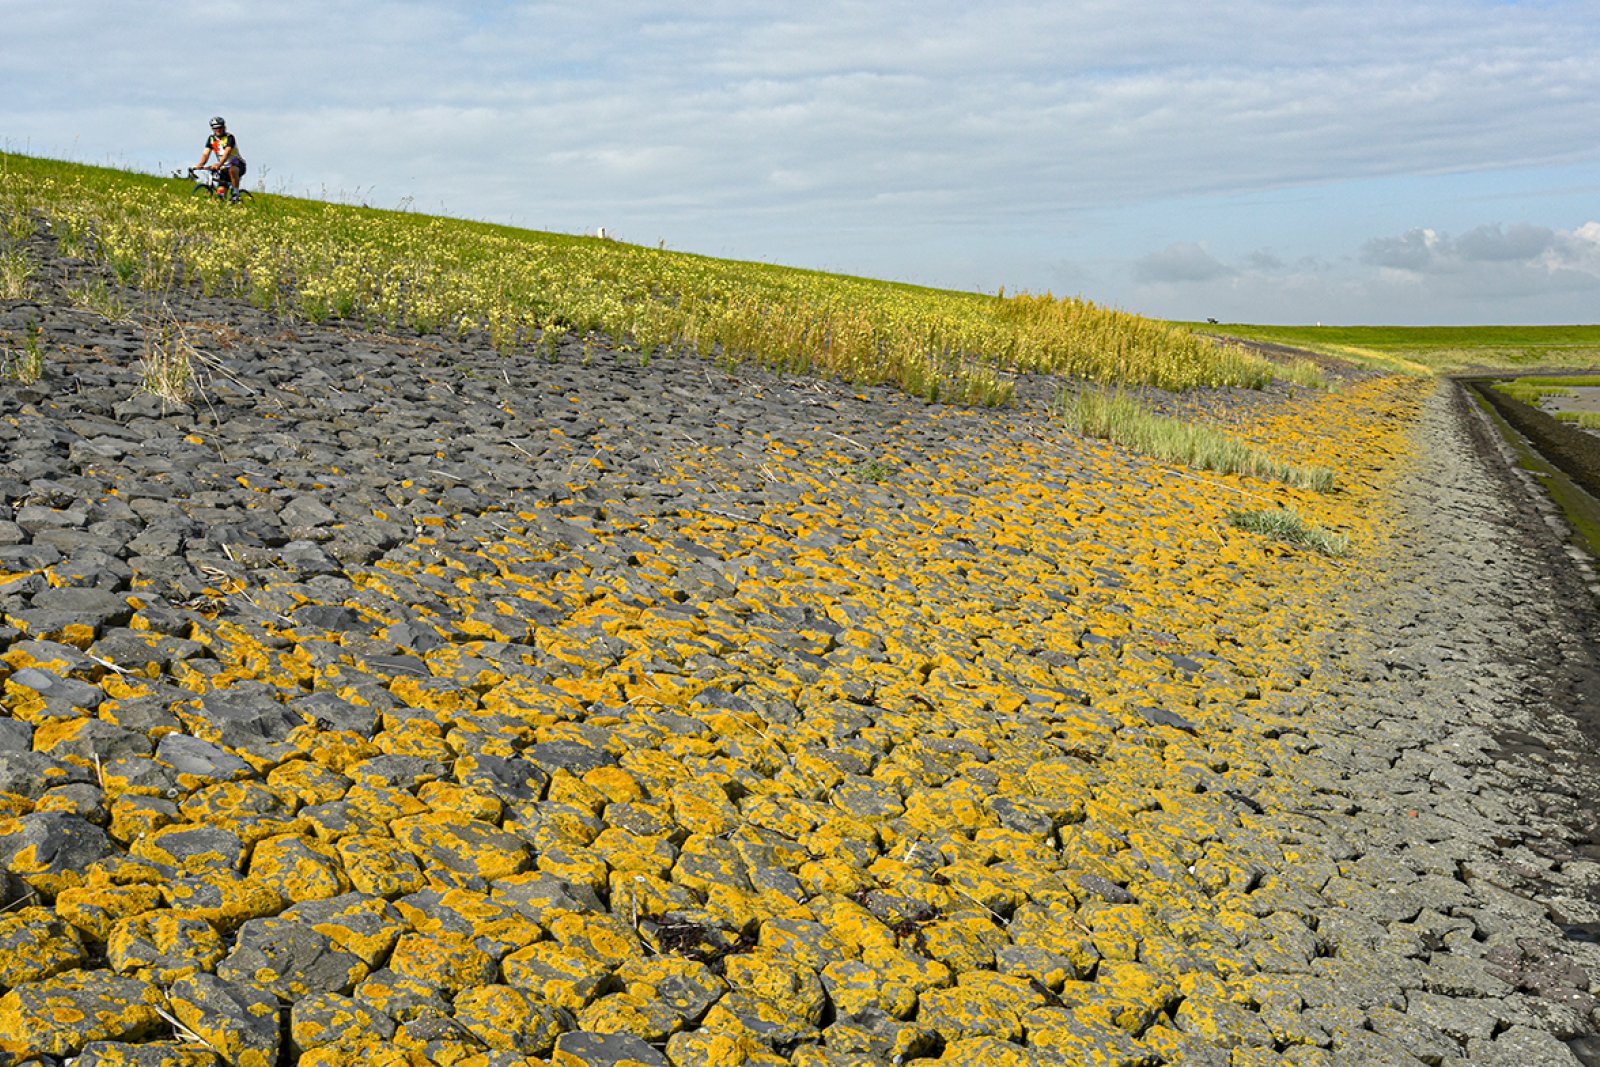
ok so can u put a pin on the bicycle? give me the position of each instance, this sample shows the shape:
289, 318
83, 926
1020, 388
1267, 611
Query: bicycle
214, 183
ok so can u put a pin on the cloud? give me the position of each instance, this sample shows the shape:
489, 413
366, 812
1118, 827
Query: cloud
1182, 262
1492, 273
896, 137
1412, 250
1493, 249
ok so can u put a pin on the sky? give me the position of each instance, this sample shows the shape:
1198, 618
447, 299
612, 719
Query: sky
1403, 162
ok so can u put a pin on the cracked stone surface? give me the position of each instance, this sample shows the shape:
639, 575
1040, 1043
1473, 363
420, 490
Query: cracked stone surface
398, 697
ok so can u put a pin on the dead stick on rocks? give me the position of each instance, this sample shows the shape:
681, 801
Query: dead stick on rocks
183, 1032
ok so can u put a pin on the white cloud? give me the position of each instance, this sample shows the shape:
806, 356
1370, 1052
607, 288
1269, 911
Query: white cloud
1492, 273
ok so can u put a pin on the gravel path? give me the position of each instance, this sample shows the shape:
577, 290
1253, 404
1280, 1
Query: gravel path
395, 698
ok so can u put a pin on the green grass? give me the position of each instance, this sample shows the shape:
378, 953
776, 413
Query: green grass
1533, 388
1584, 420
1529, 393
1286, 525
1119, 417
1434, 349
25, 363
401, 270
16, 273
98, 297
1571, 381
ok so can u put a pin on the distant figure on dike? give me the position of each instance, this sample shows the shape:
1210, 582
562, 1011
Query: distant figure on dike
230, 165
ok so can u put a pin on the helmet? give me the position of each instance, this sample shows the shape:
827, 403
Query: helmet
217, 120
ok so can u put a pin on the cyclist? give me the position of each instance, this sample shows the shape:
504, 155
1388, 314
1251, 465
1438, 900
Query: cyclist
230, 166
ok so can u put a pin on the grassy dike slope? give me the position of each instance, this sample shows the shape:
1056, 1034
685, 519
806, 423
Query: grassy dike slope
758, 720
1436, 349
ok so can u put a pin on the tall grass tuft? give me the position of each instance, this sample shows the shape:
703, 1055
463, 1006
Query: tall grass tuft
167, 367
25, 365
98, 297
16, 273
1285, 524
1119, 417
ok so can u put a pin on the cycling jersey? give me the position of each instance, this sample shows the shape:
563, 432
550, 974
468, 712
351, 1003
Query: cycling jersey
219, 143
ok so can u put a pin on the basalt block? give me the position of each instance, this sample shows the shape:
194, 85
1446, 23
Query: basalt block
333, 1019
299, 867
35, 944
61, 1014
239, 1019
196, 762
561, 976
463, 845
163, 946
580, 1048
146, 1054
50, 850
507, 1018
448, 962
290, 959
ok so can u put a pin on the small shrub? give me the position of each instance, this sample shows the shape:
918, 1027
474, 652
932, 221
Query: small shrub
872, 470
1285, 524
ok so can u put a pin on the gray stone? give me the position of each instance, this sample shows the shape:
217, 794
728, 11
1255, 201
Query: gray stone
29, 774
330, 712
239, 1015
44, 848
331, 617
15, 736
290, 959
61, 696
568, 756
513, 780
250, 717
583, 1048
146, 1054
542, 896
1520, 1046
200, 761
99, 608
96, 739
397, 772
60, 1015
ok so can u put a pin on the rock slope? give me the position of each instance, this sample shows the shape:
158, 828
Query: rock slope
397, 701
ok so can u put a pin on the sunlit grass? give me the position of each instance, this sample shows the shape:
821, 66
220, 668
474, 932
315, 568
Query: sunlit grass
1433, 349
167, 366
16, 273
1285, 524
24, 363
1119, 417
432, 275
1584, 420
98, 297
